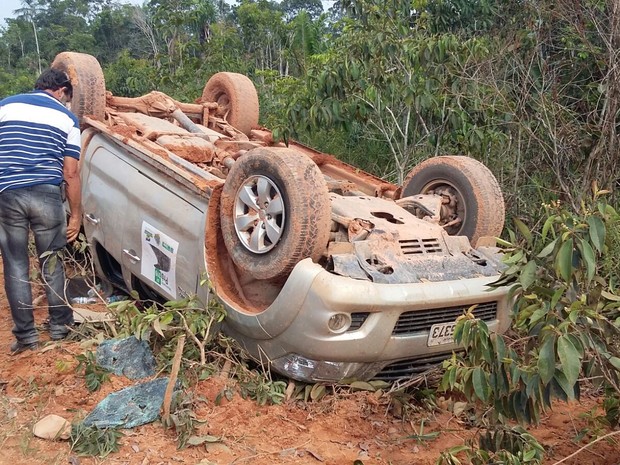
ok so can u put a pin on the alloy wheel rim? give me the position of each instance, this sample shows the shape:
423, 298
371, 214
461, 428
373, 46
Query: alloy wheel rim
259, 214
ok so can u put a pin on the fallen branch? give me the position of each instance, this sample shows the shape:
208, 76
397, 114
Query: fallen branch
608, 435
174, 374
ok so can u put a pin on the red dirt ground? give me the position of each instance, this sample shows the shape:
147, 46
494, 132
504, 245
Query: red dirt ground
337, 430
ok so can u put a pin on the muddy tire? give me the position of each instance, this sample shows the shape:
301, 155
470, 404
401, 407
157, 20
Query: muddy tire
479, 200
88, 83
237, 98
275, 211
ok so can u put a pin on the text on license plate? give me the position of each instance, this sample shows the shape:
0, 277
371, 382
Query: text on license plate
441, 333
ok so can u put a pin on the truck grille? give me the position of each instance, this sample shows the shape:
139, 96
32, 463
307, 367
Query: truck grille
420, 246
419, 321
410, 367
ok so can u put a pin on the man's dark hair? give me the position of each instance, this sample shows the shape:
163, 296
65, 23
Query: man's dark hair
54, 79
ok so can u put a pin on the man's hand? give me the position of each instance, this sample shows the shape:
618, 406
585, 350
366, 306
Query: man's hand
73, 228
74, 197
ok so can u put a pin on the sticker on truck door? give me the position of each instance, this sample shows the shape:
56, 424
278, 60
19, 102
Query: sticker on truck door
159, 258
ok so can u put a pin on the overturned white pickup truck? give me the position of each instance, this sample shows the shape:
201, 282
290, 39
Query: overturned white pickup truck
326, 272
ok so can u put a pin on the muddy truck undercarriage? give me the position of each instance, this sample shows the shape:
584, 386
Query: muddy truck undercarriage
326, 272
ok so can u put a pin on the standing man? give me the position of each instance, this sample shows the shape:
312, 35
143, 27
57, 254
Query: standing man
39, 153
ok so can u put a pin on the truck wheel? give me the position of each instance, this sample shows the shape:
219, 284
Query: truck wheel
88, 83
237, 98
474, 193
275, 211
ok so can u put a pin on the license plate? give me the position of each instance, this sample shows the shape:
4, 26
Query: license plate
441, 333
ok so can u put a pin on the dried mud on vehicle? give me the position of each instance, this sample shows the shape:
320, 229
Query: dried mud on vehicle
326, 272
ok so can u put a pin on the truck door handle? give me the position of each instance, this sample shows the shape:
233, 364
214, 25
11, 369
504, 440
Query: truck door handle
92, 219
132, 255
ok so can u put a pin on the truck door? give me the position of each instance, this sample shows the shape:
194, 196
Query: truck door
104, 185
164, 227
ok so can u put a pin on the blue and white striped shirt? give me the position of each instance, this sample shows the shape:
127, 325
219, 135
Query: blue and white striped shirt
36, 133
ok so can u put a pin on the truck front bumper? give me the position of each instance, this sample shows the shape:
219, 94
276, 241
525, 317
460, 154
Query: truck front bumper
324, 327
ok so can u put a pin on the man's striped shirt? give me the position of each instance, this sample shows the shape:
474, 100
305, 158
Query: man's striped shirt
36, 133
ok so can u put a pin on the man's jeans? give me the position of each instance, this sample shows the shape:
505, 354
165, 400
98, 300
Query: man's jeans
39, 208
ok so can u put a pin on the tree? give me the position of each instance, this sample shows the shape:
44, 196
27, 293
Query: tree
115, 30
261, 26
305, 39
530, 88
183, 25
29, 11
292, 8
405, 86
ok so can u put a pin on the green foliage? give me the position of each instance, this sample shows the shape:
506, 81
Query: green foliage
183, 419
129, 77
510, 446
526, 87
406, 89
260, 388
461, 16
309, 392
161, 326
597, 423
15, 82
116, 31
94, 375
420, 436
565, 314
95, 442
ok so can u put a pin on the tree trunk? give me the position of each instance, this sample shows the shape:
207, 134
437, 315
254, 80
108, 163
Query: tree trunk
604, 160
36, 41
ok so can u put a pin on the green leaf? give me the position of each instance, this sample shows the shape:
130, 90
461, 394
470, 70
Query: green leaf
457, 449
379, 384
166, 319
511, 259
481, 386
524, 230
568, 388
615, 361
318, 392
538, 314
362, 386
547, 226
546, 359
528, 274
569, 359
503, 243
564, 260
610, 296
587, 254
157, 328
424, 437
548, 248
597, 232
557, 295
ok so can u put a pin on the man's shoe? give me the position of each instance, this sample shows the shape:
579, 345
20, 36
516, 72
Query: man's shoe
19, 347
58, 332
58, 336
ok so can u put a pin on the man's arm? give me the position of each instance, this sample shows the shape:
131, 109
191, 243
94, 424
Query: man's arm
74, 196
